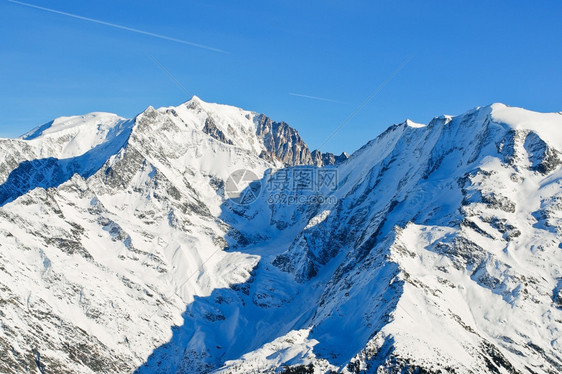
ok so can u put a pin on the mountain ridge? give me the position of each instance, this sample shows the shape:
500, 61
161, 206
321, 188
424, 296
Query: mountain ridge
437, 250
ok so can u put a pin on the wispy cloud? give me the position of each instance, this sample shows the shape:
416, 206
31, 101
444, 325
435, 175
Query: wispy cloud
316, 98
119, 26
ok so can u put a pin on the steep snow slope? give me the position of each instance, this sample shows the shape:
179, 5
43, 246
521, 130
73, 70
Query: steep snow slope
450, 235
438, 250
102, 251
110, 228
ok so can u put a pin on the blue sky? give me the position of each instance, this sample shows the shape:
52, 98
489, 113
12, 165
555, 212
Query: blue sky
463, 54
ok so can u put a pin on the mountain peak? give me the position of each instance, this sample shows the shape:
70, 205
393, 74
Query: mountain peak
413, 124
66, 137
193, 102
275, 142
546, 125
196, 99
72, 124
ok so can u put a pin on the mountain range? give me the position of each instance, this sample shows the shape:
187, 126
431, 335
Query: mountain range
205, 238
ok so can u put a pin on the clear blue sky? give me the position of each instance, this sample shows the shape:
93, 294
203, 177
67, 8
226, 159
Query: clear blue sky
465, 54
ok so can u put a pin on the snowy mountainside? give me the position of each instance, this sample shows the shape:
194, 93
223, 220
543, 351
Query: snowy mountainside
447, 244
96, 235
437, 251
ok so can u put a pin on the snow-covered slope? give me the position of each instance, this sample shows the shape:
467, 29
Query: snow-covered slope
438, 249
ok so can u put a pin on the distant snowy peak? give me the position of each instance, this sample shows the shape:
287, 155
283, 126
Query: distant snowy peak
67, 137
74, 123
276, 142
211, 138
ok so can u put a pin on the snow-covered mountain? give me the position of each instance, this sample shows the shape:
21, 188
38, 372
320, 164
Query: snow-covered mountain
433, 248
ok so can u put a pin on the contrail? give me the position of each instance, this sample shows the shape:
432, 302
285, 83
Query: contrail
358, 109
316, 98
120, 27
169, 75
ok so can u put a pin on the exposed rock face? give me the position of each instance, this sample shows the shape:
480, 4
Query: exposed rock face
438, 250
327, 158
212, 130
284, 143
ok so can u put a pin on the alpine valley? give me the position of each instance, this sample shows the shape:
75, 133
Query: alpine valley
434, 248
